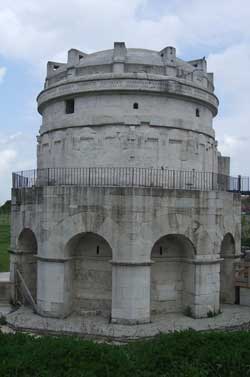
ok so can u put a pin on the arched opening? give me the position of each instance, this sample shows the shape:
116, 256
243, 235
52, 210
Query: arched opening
136, 106
90, 274
172, 275
227, 254
27, 265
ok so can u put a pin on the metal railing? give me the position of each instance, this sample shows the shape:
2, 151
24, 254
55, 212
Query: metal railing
130, 177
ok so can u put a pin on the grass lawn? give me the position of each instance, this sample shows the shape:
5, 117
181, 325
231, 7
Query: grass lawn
4, 243
185, 354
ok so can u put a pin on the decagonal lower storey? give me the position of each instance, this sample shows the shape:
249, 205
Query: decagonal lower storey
126, 253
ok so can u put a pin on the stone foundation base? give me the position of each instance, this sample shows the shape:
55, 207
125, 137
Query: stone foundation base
100, 328
130, 322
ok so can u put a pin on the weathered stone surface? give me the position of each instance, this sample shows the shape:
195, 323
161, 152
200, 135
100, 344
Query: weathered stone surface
184, 266
233, 317
126, 253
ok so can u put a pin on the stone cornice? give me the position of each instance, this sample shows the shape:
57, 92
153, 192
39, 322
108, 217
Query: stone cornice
131, 263
21, 252
51, 259
169, 86
46, 130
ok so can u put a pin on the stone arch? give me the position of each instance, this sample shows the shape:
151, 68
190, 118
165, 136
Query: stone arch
27, 263
227, 254
228, 245
90, 274
71, 226
167, 224
172, 274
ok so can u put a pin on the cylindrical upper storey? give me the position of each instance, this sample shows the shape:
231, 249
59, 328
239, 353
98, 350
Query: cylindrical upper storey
128, 107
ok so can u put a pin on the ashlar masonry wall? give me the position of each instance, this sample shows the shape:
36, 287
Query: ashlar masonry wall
126, 252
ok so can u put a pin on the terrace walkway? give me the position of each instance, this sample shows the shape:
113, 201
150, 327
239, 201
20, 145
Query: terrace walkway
131, 177
232, 317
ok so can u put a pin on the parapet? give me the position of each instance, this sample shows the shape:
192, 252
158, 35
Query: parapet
123, 60
75, 56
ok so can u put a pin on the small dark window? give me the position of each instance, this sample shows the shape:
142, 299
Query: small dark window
195, 65
70, 106
197, 112
136, 106
160, 250
97, 250
162, 55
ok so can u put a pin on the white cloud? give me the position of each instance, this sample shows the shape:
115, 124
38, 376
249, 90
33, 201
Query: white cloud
7, 156
3, 71
231, 70
232, 79
15, 155
5, 140
36, 31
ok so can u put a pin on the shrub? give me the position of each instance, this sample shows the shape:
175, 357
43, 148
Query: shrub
185, 354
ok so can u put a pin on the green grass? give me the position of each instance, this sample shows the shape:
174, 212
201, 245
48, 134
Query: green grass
4, 245
186, 354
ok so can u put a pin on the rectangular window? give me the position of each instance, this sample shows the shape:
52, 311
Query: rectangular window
69, 106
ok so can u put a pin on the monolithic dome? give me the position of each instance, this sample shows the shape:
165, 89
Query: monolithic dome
130, 212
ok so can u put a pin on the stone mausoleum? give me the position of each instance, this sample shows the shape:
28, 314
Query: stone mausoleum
130, 212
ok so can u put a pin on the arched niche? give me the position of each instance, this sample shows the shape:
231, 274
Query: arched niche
172, 274
90, 274
227, 246
227, 254
27, 264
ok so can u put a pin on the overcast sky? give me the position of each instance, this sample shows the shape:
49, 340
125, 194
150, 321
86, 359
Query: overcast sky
35, 31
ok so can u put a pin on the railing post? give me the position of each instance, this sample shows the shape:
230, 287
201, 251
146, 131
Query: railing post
239, 183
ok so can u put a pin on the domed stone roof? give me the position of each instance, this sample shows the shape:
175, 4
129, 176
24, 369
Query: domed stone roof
124, 60
133, 56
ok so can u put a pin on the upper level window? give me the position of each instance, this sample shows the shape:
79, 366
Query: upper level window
69, 106
136, 106
197, 111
